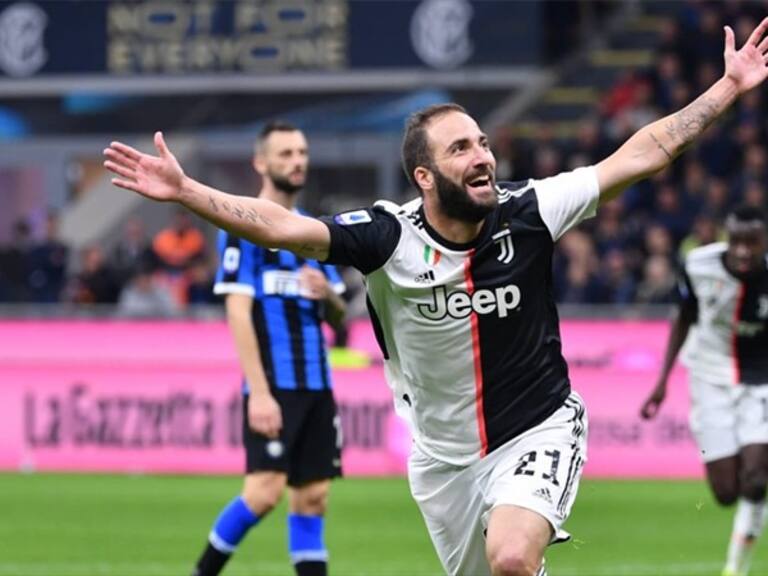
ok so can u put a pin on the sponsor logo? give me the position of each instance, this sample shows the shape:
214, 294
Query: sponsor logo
352, 218
460, 304
544, 494
425, 277
503, 240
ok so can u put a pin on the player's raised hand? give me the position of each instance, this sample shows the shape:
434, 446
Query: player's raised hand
653, 403
156, 177
747, 66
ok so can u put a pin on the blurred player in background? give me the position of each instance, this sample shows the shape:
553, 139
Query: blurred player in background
725, 298
460, 291
275, 303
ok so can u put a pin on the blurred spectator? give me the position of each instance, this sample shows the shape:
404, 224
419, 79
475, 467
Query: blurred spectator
47, 263
576, 279
14, 260
95, 283
658, 283
658, 242
177, 246
618, 284
705, 231
132, 252
754, 195
718, 198
200, 282
671, 213
144, 297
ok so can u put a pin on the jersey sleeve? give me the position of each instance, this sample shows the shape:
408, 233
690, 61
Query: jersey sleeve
688, 302
567, 199
236, 272
364, 239
334, 278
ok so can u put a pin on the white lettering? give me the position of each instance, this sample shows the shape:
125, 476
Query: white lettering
460, 304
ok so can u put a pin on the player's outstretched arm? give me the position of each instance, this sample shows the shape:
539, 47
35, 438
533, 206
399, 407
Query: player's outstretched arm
161, 178
656, 145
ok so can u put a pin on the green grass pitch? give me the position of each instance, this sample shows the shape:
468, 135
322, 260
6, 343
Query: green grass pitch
77, 525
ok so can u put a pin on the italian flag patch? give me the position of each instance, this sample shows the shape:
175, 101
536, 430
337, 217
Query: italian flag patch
431, 256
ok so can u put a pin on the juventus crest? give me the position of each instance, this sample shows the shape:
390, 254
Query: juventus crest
503, 240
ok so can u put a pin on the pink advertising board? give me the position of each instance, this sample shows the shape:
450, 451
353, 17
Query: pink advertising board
163, 397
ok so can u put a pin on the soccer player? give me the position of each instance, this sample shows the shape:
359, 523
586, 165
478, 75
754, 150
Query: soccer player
275, 304
460, 295
725, 298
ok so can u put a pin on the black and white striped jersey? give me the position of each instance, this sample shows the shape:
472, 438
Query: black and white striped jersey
728, 343
469, 332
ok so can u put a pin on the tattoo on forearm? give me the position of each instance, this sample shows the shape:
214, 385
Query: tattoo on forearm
692, 120
238, 211
226, 206
212, 204
661, 146
309, 250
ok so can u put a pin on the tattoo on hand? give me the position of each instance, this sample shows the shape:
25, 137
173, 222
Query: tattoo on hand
692, 120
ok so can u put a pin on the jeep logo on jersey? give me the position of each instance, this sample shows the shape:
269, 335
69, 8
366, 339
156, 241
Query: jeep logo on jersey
460, 304
503, 240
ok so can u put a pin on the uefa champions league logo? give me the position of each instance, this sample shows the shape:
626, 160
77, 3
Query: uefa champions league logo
440, 32
22, 52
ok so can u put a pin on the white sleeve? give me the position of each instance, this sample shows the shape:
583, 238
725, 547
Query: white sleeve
567, 199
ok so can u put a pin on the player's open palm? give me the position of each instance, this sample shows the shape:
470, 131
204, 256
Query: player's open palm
264, 415
747, 66
156, 177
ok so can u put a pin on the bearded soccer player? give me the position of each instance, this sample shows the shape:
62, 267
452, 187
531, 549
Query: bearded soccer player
276, 302
724, 296
460, 294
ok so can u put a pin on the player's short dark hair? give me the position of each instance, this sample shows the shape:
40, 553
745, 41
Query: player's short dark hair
746, 213
269, 128
415, 150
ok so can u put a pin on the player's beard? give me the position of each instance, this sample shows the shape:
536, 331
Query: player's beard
284, 184
456, 203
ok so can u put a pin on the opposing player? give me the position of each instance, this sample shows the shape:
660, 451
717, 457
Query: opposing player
460, 293
275, 304
725, 299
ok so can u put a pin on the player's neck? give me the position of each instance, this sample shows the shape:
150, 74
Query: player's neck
272, 194
453, 230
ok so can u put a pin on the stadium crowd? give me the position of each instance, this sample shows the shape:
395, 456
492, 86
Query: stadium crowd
628, 254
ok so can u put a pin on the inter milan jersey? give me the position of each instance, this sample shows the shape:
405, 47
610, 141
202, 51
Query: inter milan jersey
728, 343
288, 326
470, 331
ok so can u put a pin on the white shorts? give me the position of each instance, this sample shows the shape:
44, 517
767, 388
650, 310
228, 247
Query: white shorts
539, 470
726, 418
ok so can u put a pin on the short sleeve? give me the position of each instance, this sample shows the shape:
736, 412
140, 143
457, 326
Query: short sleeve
235, 274
567, 199
334, 278
364, 239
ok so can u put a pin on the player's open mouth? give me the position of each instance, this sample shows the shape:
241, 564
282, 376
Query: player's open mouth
481, 182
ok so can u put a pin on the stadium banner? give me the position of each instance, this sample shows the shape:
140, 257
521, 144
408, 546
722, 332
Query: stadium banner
164, 397
55, 38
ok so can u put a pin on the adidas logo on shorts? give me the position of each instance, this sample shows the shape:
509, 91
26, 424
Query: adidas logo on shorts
544, 494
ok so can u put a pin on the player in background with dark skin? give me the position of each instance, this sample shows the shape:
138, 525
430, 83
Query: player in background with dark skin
454, 171
724, 295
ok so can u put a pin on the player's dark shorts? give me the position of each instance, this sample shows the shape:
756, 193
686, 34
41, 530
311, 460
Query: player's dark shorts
309, 447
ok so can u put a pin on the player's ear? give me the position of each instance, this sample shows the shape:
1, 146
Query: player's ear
259, 163
424, 178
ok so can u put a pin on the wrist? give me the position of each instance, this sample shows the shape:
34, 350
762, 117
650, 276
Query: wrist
184, 192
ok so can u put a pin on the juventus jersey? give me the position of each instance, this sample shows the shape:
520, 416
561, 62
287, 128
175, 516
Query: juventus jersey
728, 343
469, 332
